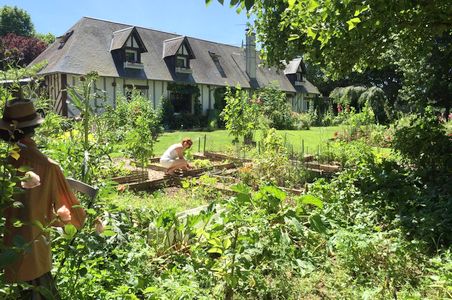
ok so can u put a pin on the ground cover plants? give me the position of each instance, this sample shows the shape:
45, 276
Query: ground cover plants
378, 229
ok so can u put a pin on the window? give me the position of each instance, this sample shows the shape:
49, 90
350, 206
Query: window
299, 76
182, 58
131, 56
181, 62
138, 89
181, 102
216, 60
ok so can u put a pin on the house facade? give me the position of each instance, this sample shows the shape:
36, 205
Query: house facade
127, 57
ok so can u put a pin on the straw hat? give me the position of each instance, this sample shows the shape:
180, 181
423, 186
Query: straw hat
19, 113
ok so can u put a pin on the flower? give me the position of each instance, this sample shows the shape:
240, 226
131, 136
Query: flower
64, 213
31, 180
99, 225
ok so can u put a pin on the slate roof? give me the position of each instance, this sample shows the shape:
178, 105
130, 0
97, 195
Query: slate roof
171, 46
88, 49
120, 38
292, 66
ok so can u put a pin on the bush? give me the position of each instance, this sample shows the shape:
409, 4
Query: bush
302, 121
167, 113
424, 143
273, 104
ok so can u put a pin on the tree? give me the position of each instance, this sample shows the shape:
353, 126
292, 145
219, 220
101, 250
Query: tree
274, 106
357, 35
19, 50
240, 113
47, 38
15, 20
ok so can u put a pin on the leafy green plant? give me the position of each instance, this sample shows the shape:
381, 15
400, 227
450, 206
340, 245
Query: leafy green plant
274, 106
240, 113
424, 143
302, 121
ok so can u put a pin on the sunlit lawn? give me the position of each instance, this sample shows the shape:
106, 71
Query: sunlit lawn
220, 141
178, 199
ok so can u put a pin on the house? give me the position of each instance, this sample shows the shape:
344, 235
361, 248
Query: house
152, 61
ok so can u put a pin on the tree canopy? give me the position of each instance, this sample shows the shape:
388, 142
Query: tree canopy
352, 36
15, 20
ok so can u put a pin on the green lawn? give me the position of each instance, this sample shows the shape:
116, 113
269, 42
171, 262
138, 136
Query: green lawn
220, 141
175, 198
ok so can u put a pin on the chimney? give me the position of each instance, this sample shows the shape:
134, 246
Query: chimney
250, 54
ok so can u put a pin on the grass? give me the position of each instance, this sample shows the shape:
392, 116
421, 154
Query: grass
179, 199
220, 141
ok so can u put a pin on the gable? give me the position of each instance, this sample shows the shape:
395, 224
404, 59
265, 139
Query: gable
128, 37
178, 45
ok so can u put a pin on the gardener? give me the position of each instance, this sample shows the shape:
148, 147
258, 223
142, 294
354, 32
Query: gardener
173, 158
46, 200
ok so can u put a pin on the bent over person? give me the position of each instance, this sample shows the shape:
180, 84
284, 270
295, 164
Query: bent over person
46, 198
173, 158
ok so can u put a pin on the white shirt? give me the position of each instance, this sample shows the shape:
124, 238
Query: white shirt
171, 153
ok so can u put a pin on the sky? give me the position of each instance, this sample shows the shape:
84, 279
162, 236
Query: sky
215, 22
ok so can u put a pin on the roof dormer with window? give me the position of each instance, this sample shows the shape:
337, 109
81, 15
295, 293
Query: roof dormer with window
128, 44
299, 76
295, 72
178, 53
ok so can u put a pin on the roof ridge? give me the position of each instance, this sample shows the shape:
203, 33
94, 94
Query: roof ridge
147, 28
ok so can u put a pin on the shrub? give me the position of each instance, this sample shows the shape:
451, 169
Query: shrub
167, 113
424, 143
274, 106
20, 50
376, 99
240, 113
302, 121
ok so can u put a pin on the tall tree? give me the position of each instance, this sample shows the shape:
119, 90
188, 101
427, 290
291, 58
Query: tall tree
15, 20
347, 36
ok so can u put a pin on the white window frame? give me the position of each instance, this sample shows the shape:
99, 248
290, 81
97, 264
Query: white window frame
135, 55
185, 59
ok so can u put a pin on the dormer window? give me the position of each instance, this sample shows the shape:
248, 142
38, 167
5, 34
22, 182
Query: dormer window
299, 76
132, 51
295, 70
182, 62
177, 53
127, 46
182, 58
132, 56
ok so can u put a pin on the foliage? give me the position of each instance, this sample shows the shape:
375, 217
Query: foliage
425, 144
240, 113
273, 166
355, 125
375, 98
15, 20
137, 126
274, 106
47, 38
349, 37
143, 128
19, 50
302, 121
167, 112
348, 96
214, 119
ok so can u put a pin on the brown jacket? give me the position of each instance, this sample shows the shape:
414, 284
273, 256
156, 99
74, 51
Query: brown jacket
38, 204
